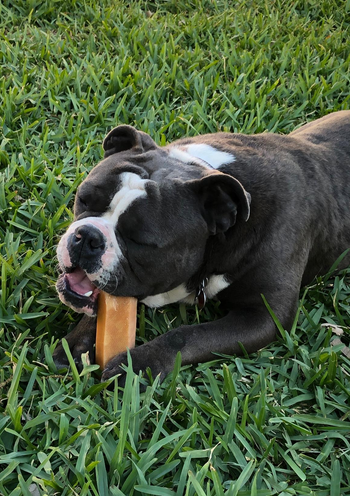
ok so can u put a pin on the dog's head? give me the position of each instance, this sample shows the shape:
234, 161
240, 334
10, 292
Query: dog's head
143, 217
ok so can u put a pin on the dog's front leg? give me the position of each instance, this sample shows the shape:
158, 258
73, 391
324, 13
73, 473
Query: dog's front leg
80, 340
198, 343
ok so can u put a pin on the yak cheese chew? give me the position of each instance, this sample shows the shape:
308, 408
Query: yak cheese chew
116, 326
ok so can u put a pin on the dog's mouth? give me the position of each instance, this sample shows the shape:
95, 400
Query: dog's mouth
77, 290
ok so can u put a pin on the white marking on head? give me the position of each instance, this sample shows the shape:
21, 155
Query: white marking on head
215, 158
132, 187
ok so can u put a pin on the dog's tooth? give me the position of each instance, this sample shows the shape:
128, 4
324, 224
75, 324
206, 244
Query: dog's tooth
89, 293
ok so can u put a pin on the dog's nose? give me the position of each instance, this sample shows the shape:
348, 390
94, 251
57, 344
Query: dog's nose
89, 235
87, 241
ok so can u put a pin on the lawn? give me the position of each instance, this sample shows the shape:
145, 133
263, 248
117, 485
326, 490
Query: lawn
273, 423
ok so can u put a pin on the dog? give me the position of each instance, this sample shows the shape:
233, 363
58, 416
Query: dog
222, 215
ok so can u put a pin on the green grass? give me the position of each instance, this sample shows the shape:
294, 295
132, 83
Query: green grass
274, 423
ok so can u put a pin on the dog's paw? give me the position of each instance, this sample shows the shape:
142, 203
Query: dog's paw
80, 340
76, 349
143, 357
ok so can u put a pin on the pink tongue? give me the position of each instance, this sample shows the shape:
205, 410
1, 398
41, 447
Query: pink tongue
79, 282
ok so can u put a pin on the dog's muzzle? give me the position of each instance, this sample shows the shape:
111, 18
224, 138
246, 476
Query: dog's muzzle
85, 247
86, 254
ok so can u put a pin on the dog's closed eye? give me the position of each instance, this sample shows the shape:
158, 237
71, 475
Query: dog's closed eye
142, 242
83, 202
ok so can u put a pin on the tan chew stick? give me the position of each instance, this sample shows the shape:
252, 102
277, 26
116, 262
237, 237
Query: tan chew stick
116, 326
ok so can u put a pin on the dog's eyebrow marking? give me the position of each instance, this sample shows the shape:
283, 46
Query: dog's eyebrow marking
215, 158
132, 187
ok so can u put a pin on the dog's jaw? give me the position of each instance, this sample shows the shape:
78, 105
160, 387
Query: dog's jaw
77, 292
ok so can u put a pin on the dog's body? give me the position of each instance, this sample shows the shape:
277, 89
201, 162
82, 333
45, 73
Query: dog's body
224, 215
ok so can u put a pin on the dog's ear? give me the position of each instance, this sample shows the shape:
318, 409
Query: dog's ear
222, 199
124, 138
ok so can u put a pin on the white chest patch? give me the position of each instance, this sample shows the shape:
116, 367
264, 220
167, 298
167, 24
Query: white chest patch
180, 294
207, 154
173, 296
216, 284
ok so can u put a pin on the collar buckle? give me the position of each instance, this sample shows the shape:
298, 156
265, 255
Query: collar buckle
201, 297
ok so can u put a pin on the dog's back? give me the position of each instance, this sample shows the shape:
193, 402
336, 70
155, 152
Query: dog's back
329, 139
332, 129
